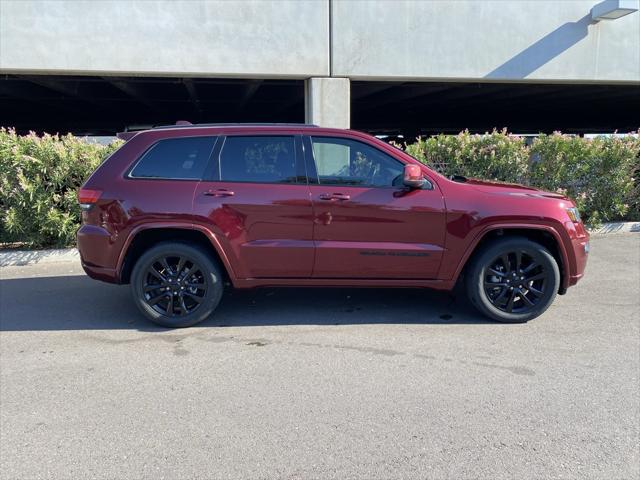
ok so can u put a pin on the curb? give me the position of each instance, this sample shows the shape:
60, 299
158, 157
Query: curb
616, 227
14, 258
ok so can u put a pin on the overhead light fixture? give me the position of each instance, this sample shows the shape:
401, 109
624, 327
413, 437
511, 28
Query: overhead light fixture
612, 9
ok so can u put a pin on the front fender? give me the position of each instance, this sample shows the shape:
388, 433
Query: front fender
562, 241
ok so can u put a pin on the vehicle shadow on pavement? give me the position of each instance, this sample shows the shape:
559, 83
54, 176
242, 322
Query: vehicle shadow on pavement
79, 303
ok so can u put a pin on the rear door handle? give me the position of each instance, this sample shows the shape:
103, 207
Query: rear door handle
222, 192
334, 196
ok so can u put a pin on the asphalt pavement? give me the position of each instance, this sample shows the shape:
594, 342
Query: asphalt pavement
320, 383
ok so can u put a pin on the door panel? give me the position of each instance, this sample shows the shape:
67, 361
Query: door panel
375, 234
266, 228
371, 231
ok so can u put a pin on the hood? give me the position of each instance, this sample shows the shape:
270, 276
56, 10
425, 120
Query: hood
500, 188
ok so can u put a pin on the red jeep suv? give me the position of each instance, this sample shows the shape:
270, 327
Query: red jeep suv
179, 211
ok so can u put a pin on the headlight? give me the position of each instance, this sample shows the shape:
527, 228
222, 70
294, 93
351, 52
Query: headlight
574, 214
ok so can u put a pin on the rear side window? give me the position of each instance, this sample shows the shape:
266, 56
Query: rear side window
175, 158
259, 159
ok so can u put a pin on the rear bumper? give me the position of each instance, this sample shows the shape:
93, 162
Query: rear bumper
96, 247
109, 275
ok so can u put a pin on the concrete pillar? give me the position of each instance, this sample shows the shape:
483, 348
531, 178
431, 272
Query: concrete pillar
327, 102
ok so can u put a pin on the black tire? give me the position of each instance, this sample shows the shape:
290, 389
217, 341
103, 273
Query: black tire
176, 285
512, 280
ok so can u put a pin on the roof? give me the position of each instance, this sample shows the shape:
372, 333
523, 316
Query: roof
183, 124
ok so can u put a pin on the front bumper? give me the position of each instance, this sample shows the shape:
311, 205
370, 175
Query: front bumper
580, 248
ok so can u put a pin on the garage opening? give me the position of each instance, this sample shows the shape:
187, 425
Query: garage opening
92, 105
420, 108
105, 105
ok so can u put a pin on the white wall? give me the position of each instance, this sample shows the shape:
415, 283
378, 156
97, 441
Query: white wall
542, 40
483, 39
283, 38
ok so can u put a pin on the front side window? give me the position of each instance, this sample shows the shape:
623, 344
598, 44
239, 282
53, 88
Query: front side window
260, 159
340, 161
175, 158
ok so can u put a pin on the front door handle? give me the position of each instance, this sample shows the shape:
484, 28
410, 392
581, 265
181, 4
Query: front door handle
334, 196
221, 192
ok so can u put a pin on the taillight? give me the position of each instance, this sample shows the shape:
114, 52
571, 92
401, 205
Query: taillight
87, 197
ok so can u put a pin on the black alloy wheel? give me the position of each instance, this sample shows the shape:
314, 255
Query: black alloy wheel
515, 282
176, 284
512, 280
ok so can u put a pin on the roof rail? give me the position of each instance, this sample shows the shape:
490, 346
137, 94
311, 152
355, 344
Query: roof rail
185, 124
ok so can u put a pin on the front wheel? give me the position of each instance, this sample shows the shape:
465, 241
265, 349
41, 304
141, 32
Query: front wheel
513, 280
176, 285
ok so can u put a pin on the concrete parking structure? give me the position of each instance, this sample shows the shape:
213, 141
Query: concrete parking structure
529, 65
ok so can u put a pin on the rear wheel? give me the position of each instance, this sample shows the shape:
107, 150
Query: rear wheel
176, 285
513, 280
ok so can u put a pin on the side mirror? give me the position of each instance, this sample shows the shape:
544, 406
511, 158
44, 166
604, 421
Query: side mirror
413, 176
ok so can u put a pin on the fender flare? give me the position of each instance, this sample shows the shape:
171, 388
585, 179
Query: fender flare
211, 236
562, 248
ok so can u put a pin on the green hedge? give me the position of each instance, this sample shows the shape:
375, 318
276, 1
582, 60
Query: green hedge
39, 176
600, 174
597, 174
496, 155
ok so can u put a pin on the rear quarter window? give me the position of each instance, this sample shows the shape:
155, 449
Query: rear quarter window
175, 158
